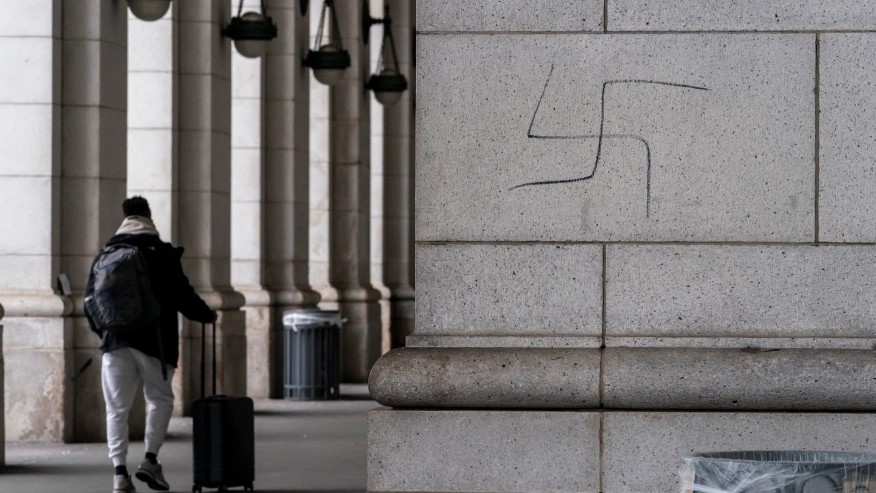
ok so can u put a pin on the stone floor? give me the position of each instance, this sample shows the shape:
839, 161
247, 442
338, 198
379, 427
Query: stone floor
300, 447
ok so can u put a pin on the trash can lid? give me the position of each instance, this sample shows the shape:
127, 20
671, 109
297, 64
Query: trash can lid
789, 456
778, 470
311, 316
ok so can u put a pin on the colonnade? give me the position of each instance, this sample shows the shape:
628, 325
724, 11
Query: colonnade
261, 173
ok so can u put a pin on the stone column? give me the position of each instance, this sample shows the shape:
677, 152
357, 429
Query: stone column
152, 117
152, 138
319, 180
349, 214
62, 187
376, 160
205, 195
37, 335
287, 164
2, 377
94, 176
397, 172
248, 209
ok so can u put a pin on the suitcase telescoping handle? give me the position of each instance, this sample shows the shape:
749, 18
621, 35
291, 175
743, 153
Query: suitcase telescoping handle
204, 357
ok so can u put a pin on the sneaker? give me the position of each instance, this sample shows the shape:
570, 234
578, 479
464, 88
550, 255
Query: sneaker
123, 484
151, 474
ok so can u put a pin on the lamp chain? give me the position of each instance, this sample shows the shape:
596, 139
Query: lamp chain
336, 33
388, 28
319, 29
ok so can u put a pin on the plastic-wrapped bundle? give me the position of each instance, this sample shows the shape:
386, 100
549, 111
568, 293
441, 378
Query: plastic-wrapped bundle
786, 471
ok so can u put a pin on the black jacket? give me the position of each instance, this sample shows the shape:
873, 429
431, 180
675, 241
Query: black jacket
174, 294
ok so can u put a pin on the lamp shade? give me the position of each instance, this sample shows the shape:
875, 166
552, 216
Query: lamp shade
251, 48
149, 10
328, 63
388, 86
252, 33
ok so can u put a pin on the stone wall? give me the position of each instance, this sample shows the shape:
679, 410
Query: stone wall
653, 219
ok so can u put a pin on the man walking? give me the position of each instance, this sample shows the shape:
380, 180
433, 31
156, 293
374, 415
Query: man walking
135, 289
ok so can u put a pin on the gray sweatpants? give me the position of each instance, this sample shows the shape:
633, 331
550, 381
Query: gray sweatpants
122, 370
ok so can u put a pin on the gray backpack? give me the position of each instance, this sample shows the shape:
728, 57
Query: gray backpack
123, 300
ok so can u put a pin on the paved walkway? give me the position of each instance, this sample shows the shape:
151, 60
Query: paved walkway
300, 447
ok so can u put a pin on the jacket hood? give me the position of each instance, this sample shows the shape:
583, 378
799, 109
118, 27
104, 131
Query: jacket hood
137, 225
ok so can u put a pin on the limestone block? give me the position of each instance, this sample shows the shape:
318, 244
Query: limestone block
151, 44
150, 160
96, 20
516, 15
27, 70
87, 58
847, 146
88, 408
150, 96
643, 450
38, 397
740, 291
246, 175
2, 393
497, 116
740, 15
487, 377
497, 451
25, 139
744, 379
31, 272
245, 128
247, 76
258, 325
26, 223
86, 152
246, 240
31, 18
509, 290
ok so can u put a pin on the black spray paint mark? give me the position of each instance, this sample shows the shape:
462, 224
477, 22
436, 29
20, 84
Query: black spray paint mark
601, 136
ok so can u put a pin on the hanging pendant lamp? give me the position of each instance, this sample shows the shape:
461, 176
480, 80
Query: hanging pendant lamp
149, 10
387, 82
252, 32
329, 60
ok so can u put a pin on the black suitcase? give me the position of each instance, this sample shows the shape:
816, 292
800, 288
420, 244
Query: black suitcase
224, 437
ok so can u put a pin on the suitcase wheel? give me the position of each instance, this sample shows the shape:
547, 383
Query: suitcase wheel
248, 487
196, 489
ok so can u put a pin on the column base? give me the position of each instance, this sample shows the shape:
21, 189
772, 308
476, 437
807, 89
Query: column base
259, 320
231, 360
361, 339
401, 321
2, 376
39, 396
89, 418
582, 451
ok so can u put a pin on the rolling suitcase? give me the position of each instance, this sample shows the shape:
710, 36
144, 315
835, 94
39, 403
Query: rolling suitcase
224, 436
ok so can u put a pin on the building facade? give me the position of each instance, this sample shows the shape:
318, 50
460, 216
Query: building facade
643, 229
279, 189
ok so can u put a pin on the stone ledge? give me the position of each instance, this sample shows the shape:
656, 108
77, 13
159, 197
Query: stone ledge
631, 378
504, 341
554, 378
739, 379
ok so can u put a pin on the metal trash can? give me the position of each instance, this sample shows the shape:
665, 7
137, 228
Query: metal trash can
312, 343
784, 471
